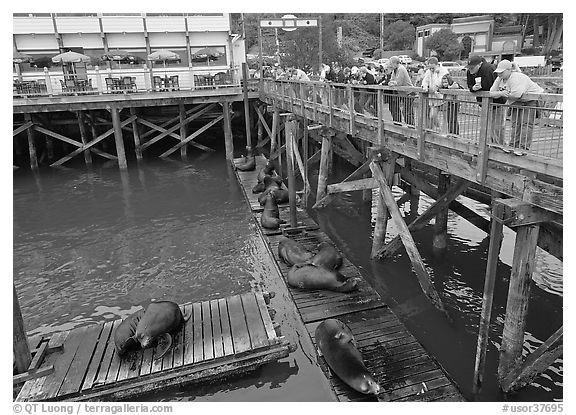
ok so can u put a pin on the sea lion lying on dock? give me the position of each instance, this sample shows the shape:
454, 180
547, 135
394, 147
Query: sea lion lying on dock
293, 253
327, 256
124, 339
248, 164
144, 328
315, 277
270, 218
338, 346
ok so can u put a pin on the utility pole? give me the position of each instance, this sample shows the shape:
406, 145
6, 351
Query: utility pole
320, 43
382, 31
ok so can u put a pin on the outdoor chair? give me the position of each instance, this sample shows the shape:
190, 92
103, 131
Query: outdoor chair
174, 83
110, 85
157, 83
128, 84
221, 78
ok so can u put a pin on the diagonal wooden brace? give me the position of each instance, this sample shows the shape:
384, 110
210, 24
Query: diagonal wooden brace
417, 263
422, 220
192, 136
325, 201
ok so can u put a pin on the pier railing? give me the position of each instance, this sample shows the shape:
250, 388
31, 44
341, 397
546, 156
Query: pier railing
117, 81
452, 118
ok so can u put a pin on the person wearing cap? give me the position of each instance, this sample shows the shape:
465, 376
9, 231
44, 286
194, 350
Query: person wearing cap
366, 100
403, 103
431, 83
479, 77
513, 85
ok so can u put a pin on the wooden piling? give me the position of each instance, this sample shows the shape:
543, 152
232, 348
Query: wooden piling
305, 151
260, 126
84, 136
381, 209
182, 114
246, 108
325, 161
115, 112
21, 349
228, 138
290, 131
136, 132
366, 193
518, 296
31, 147
487, 300
440, 240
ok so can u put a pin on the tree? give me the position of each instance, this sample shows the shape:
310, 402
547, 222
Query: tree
445, 43
399, 35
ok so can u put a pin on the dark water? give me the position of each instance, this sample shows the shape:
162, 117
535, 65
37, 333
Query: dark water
93, 244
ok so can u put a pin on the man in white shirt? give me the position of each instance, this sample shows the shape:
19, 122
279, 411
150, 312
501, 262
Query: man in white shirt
513, 85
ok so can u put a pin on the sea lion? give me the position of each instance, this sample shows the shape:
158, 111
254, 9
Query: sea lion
338, 346
124, 339
248, 164
314, 277
270, 218
328, 256
280, 195
292, 252
159, 321
261, 185
268, 169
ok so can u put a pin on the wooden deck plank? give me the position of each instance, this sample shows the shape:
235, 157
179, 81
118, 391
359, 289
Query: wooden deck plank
62, 364
178, 346
146, 365
114, 368
216, 329
107, 357
156, 362
189, 336
240, 336
79, 365
207, 331
98, 354
198, 337
226, 330
256, 329
168, 358
265, 315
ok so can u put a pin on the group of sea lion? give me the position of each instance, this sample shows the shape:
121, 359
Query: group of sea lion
148, 327
270, 185
315, 271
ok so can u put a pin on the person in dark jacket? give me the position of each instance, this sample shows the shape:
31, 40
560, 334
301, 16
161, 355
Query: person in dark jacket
479, 77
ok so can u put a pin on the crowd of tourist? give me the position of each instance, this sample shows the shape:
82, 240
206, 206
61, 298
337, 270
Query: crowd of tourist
505, 83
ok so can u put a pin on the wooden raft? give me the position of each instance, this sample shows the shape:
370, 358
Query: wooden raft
224, 337
398, 360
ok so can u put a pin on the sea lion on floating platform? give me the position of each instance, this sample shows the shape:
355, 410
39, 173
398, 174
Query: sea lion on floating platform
160, 320
279, 194
292, 252
124, 339
327, 256
248, 164
270, 218
261, 185
338, 346
314, 277
267, 170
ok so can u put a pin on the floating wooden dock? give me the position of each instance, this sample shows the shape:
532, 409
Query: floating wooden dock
400, 363
224, 337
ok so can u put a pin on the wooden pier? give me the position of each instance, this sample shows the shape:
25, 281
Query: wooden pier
224, 337
399, 361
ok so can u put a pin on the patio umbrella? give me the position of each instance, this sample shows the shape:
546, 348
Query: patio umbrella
71, 57
164, 55
119, 56
205, 54
17, 59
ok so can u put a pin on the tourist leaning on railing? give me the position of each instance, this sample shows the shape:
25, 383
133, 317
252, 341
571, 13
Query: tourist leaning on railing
512, 85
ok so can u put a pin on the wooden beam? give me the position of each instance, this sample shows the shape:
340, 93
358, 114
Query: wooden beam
118, 139
482, 162
496, 237
83, 136
381, 208
415, 258
360, 184
31, 145
20, 346
262, 123
337, 188
192, 136
514, 212
326, 155
136, 134
228, 138
536, 363
260, 126
422, 220
290, 132
182, 117
517, 304
440, 240
23, 127
274, 132
58, 136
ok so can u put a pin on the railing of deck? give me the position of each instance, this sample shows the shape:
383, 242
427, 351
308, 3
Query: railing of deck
534, 129
103, 81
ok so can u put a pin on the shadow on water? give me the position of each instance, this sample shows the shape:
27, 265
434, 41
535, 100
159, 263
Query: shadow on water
458, 275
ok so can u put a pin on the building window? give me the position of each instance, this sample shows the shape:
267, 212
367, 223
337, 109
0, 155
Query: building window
427, 32
183, 62
208, 55
419, 34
